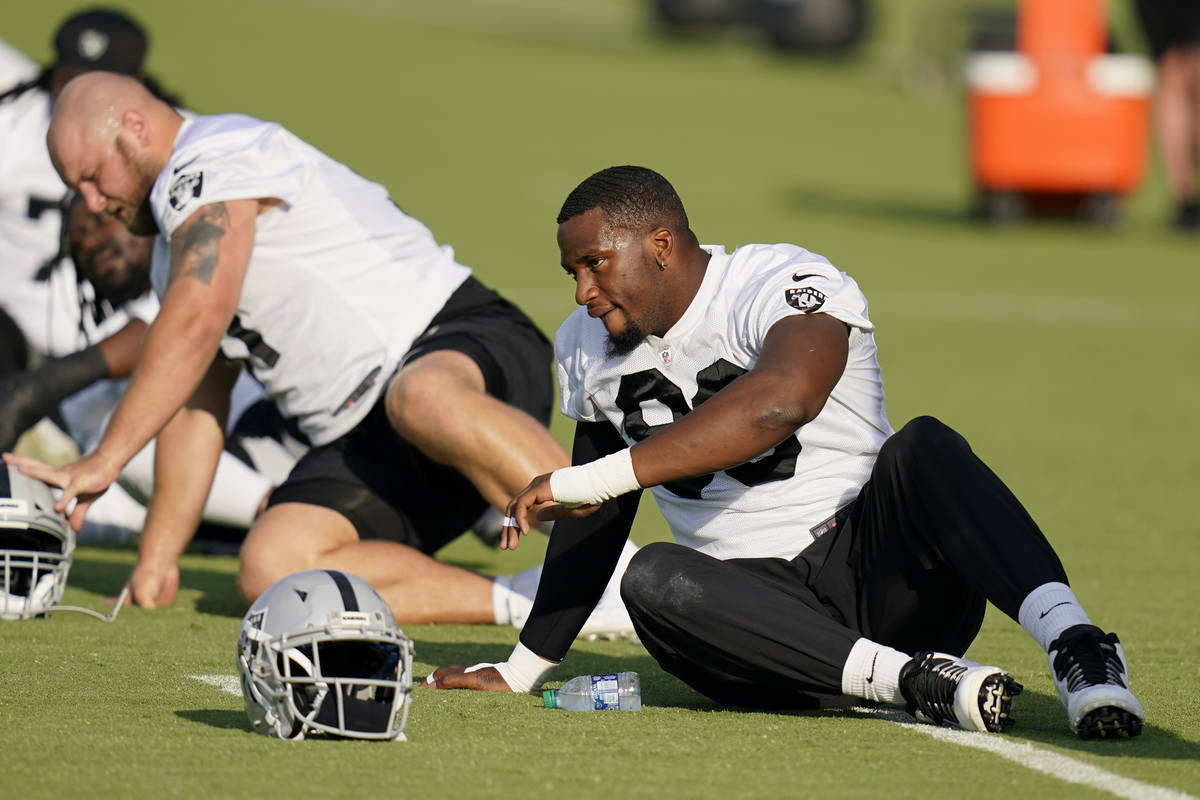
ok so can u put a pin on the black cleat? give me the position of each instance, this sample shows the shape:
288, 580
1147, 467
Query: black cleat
1090, 672
946, 690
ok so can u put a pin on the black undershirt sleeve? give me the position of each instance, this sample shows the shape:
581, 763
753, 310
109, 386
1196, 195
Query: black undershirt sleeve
581, 555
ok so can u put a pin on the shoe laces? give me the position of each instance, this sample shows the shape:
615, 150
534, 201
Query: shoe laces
1087, 658
929, 686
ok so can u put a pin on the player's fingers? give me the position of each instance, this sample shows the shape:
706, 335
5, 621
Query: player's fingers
551, 512
579, 511
444, 677
146, 595
36, 469
76, 515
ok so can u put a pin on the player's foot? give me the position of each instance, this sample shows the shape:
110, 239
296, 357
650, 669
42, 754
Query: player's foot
609, 619
945, 690
1092, 677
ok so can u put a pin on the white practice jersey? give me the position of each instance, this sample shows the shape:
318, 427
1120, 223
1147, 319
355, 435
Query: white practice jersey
765, 507
340, 281
30, 194
15, 66
75, 319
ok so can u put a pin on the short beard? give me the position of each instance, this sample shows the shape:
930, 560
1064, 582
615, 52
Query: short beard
625, 341
141, 222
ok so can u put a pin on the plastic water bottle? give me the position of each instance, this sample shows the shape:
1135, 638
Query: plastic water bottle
613, 691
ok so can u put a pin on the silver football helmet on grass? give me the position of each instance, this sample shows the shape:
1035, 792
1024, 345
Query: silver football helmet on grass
36, 547
320, 652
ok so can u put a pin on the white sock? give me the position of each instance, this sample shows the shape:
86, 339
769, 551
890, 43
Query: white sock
872, 672
502, 593
512, 597
1049, 610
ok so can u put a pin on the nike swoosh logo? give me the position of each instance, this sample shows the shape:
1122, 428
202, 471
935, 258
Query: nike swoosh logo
185, 165
798, 277
871, 677
1051, 608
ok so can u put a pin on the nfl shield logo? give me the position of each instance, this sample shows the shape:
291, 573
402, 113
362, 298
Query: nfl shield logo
184, 189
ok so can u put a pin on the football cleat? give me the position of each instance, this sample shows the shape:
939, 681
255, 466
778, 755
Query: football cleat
1092, 678
946, 690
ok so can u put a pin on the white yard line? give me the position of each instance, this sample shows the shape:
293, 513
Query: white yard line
1046, 762
226, 683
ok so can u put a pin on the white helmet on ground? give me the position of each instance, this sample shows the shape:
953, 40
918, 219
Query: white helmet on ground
36, 547
320, 652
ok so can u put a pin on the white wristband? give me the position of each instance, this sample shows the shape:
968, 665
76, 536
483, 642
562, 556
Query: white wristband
600, 480
525, 670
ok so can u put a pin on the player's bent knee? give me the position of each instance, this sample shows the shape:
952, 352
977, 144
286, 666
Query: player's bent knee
259, 566
252, 583
919, 439
656, 577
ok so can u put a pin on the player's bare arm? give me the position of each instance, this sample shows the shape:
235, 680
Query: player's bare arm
210, 252
189, 447
802, 359
121, 350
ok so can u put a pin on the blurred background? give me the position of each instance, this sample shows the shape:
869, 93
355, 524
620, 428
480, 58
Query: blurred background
842, 125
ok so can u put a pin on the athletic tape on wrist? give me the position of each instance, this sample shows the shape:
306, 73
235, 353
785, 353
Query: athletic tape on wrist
525, 670
600, 480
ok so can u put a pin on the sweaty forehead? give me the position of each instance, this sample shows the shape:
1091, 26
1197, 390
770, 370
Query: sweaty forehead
67, 153
588, 232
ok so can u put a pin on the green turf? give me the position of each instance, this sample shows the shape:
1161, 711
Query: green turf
1065, 354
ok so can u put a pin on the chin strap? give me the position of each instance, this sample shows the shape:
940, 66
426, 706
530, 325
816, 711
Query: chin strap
38, 602
109, 617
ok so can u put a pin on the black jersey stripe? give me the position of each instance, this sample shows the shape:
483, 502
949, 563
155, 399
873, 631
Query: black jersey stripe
349, 600
5, 483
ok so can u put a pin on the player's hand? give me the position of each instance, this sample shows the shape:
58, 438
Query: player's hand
535, 502
154, 584
82, 481
481, 677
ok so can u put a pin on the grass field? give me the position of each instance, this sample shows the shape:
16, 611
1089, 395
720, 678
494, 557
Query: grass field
1062, 353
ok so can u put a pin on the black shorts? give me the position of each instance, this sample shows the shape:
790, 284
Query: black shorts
1168, 23
390, 490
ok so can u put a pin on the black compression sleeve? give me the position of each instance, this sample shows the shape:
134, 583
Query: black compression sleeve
26, 397
581, 555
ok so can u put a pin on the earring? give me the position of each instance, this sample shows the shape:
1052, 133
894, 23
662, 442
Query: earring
661, 266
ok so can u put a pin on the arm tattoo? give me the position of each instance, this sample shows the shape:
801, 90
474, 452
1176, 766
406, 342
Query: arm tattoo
196, 245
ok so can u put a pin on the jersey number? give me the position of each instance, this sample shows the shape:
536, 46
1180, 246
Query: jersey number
259, 349
40, 205
640, 387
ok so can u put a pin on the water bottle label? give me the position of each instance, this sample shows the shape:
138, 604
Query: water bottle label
606, 692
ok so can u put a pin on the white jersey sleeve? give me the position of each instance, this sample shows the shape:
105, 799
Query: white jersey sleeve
340, 281
30, 215
769, 506
15, 66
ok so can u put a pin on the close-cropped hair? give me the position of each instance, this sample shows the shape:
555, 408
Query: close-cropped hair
632, 198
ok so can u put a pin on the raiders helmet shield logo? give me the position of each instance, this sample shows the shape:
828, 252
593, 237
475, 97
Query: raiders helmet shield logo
184, 189
805, 298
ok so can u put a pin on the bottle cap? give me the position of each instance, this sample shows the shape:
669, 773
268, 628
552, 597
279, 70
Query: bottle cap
550, 698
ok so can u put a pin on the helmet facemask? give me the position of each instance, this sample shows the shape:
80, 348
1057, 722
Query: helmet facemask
347, 675
36, 547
